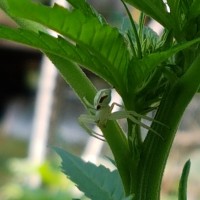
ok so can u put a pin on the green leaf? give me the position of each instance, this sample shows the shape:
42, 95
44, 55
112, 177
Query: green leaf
182, 195
141, 69
105, 42
57, 46
149, 39
96, 182
62, 53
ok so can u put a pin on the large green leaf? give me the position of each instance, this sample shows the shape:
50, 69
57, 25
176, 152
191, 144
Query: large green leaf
102, 40
97, 182
52, 45
57, 46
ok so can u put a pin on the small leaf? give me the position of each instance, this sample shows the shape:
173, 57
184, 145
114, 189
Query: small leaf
141, 69
97, 182
182, 195
149, 39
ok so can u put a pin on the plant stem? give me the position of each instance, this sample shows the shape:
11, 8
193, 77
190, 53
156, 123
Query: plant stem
120, 149
156, 150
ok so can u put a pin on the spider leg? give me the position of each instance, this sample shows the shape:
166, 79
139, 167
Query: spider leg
115, 104
89, 105
84, 120
144, 125
145, 117
137, 114
125, 114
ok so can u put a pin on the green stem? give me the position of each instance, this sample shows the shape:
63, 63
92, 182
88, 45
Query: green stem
120, 149
156, 150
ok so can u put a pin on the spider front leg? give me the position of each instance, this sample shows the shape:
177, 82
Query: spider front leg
90, 107
85, 120
133, 113
144, 125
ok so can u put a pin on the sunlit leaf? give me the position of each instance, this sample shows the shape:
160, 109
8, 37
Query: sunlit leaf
105, 42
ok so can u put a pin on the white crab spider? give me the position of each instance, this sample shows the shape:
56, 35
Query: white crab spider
101, 112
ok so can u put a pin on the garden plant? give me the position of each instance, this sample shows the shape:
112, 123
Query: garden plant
151, 73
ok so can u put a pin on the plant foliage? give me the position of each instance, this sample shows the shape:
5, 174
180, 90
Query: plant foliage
150, 73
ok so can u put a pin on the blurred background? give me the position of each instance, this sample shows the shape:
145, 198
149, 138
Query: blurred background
39, 110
